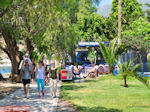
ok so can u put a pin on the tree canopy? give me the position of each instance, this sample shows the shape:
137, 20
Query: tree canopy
137, 35
55, 26
131, 10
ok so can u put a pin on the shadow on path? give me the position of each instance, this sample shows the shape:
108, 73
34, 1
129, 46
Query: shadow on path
44, 104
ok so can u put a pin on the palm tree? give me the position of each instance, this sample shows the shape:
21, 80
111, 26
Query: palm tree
91, 56
119, 22
110, 53
127, 69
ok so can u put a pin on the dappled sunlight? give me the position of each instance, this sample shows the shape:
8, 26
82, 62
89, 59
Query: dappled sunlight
45, 103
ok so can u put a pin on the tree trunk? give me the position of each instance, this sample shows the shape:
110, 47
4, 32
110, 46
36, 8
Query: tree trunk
119, 22
13, 51
125, 82
111, 68
64, 62
29, 45
73, 58
15, 65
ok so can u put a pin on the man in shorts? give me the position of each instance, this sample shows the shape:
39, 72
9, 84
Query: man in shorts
26, 76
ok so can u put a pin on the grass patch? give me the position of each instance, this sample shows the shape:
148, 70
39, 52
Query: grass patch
107, 94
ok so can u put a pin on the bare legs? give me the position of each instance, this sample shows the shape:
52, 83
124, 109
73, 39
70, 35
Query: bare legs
32, 80
26, 90
24, 86
28, 86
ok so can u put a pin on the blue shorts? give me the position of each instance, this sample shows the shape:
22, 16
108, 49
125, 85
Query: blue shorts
40, 82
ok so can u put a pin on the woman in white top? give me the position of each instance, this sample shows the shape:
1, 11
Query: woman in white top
40, 73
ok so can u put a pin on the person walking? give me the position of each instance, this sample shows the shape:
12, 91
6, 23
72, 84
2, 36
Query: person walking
26, 76
40, 73
33, 70
53, 79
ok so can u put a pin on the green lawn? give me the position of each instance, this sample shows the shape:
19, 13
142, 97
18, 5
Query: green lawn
108, 95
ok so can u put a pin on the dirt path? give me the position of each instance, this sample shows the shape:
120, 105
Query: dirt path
6, 87
65, 106
44, 104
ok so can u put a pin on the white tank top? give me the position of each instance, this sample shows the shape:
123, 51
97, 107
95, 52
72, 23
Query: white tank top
40, 73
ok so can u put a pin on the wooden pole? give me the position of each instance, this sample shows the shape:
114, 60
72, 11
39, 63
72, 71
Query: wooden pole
119, 22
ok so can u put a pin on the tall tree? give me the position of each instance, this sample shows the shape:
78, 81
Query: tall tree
130, 10
119, 22
24, 20
10, 33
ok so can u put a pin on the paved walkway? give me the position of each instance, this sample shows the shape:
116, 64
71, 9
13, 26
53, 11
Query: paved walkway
43, 104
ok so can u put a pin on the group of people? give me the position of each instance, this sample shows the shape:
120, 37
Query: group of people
94, 69
30, 72
82, 69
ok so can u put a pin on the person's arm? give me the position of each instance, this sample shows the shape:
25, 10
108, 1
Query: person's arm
21, 71
35, 73
57, 74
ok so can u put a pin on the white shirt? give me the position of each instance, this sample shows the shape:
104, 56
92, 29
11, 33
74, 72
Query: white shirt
40, 73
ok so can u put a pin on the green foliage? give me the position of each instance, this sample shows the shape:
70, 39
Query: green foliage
86, 7
148, 58
110, 53
94, 27
50, 25
131, 10
109, 30
35, 55
148, 12
5, 3
137, 35
63, 33
144, 80
90, 27
91, 56
127, 69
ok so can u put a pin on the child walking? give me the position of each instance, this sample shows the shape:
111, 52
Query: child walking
40, 73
